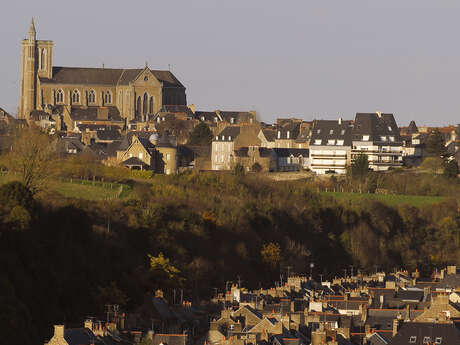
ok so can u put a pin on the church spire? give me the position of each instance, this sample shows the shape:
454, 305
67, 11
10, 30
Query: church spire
32, 32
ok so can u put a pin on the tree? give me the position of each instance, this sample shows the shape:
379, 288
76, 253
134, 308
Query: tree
238, 170
360, 167
451, 169
164, 270
271, 254
201, 135
433, 164
435, 146
31, 157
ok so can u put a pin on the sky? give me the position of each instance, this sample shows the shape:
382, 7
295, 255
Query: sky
313, 59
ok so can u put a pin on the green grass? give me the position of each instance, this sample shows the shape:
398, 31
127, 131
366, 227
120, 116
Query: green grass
81, 189
390, 199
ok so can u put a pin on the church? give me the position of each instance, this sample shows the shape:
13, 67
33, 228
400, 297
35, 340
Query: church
120, 94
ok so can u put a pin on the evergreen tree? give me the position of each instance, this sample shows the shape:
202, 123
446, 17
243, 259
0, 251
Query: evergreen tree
435, 145
201, 135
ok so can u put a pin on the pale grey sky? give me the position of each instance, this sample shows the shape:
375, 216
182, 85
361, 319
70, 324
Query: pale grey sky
305, 58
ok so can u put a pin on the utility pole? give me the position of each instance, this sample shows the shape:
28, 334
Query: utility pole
109, 309
351, 269
239, 282
289, 271
345, 270
321, 277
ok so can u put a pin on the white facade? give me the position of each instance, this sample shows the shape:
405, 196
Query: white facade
380, 155
329, 158
220, 155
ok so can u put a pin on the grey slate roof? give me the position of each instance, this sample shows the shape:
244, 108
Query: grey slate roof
412, 128
80, 336
134, 161
109, 134
375, 126
228, 134
448, 333
325, 130
105, 76
90, 114
170, 339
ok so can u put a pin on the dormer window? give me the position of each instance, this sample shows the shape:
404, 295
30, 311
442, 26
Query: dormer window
318, 131
342, 132
217, 137
392, 139
340, 142
279, 134
287, 134
389, 128
202, 118
383, 138
438, 340
426, 340
318, 142
223, 137
331, 142
232, 120
215, 119
412, 339
331, 132
365, 138
229, 138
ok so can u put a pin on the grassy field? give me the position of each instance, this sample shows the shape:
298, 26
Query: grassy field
391, 199
81, 189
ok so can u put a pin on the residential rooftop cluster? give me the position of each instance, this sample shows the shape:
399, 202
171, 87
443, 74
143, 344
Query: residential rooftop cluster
382, 308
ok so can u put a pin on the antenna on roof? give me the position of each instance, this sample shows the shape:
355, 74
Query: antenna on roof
169, 67
102, 65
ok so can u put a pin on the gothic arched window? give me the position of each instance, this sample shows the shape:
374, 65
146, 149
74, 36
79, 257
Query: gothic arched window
151, 105
108, 97
144, 110
76, 96
138, 105
91, 96
60, 96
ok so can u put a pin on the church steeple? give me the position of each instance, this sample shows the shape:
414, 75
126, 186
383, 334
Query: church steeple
32, 32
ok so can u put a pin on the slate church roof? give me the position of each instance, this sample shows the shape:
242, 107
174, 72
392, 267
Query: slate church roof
105, 76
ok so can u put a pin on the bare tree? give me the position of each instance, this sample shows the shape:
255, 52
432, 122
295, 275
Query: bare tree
31, 157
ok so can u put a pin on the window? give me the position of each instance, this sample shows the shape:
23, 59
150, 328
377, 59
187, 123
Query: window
331, 142
438, 340
202, 118
412, 339
389, 128
91, 96
339, 142
151, 105
383, 138
232, 120
138, 105
141, 155
426, 340
318, 131
60, 96
287, 134
331, 132
229, 138
342, 132
365, 137
318, 142
76, 96
168, 156
223, 137
279, 134
392, 139
108, 97
144, 104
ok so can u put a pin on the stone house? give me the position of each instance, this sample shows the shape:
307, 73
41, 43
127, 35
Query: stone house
230, 139
255, 158
159, 155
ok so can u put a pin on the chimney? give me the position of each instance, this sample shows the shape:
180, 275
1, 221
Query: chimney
102, 113
395, 326
340, 120
150, 335
89, 324
408, 312
59, 331
451, 269
192, 108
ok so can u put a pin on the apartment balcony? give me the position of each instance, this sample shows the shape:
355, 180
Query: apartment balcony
320, 155
389, 163
392, 153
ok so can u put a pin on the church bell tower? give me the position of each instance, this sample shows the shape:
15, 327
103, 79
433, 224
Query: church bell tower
36, 61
